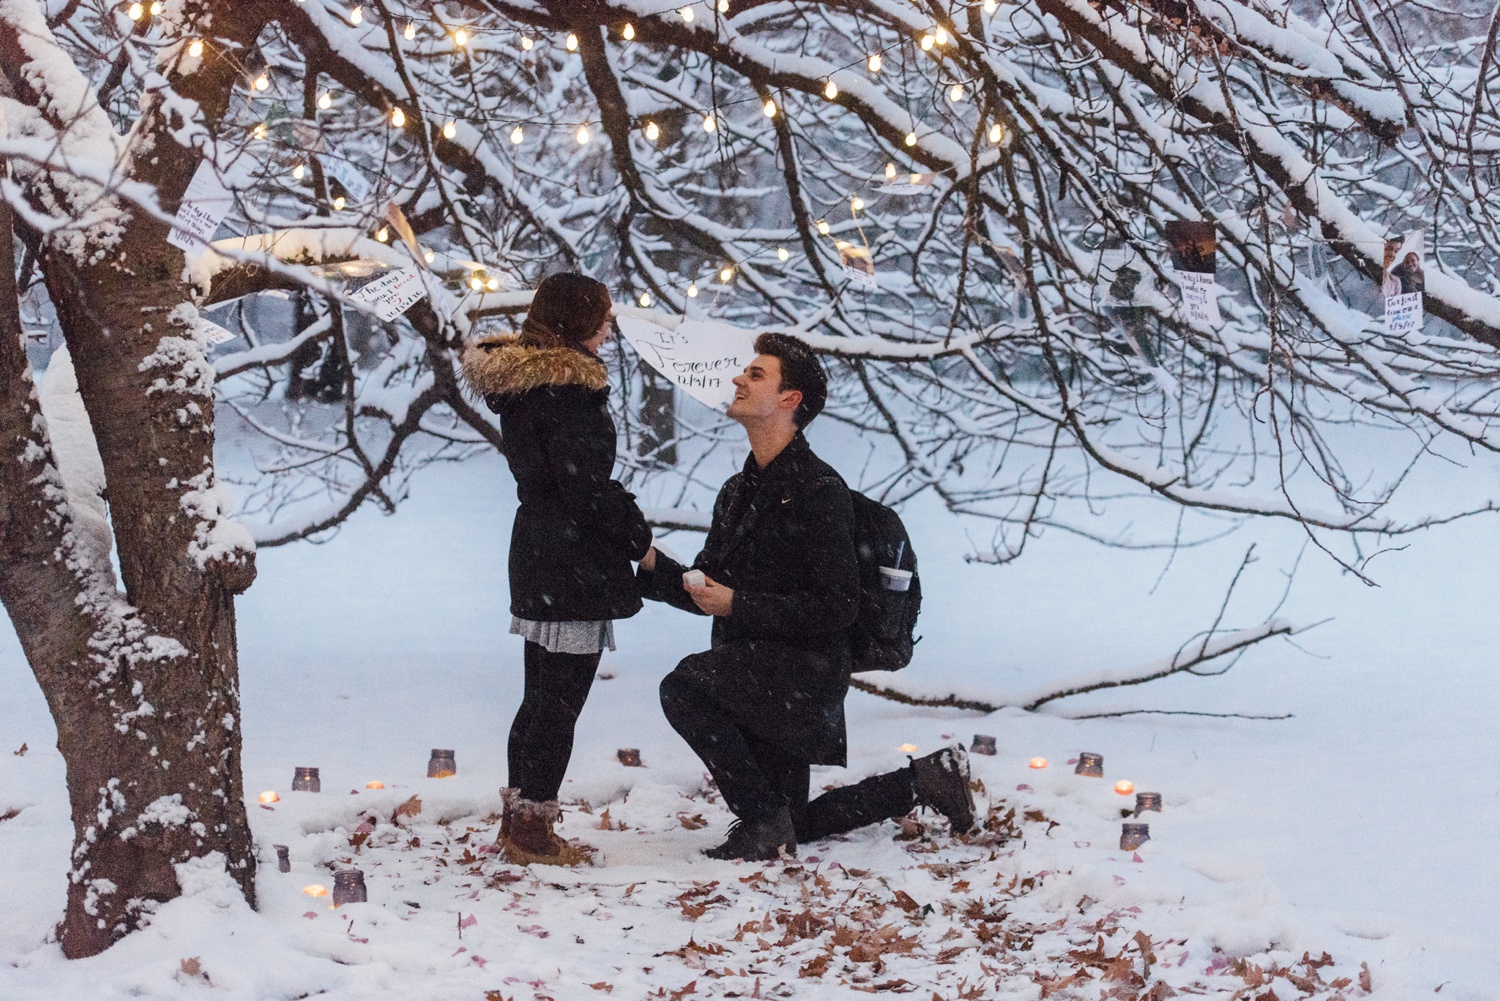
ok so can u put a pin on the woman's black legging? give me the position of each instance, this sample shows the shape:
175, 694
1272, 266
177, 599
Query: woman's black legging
541, 737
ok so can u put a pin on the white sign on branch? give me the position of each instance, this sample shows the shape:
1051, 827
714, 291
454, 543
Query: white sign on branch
700, 357
205, 204
392, 294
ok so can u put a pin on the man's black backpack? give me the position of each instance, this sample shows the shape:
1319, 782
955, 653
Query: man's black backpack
881, 638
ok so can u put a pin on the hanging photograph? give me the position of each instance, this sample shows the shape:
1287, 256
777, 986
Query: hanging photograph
1193, 246
859, 266
1403, 283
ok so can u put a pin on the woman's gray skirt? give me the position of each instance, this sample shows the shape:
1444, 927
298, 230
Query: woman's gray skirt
567, 637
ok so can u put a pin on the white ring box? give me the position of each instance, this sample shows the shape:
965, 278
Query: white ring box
895, 580
693, 578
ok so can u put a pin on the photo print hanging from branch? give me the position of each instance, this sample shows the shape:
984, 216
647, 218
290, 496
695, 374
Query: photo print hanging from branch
1194, 246
859, 266
1403, 283
1124, 280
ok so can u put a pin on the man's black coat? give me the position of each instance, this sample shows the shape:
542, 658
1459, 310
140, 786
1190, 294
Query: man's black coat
783, 538
576, 530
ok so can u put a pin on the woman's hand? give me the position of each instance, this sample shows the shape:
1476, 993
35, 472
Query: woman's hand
648, 562
713, 598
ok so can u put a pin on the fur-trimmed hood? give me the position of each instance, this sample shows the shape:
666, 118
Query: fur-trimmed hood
502, 364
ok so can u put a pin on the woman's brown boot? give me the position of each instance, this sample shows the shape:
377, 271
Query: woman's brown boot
526, 834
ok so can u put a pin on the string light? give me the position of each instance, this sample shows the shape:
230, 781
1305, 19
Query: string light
726, 276
831, 90
875, 61
942, 35
262, 82
298, 172
155, 8
692, 290
911, 139
572, 42
357, 14
996, 133
260, 130
476, 281
526, 43
493, 285
782, 254
890, 171
956, 93
516, 135
383, 234
652, 132
770, 108
135, 12
990, 6
629, 33
196, 48
687, 15
723, 6
460, 38
338, 203
645, 299
823, 226
856, 203
325, 100
410, 31
398, 117
927, 42
450, 130
582, 135
709, 124
429, 255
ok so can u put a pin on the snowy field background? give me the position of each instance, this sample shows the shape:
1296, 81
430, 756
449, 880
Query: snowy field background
1365, 826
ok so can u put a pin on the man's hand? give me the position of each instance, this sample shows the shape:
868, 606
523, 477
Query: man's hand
713, 598
648, 562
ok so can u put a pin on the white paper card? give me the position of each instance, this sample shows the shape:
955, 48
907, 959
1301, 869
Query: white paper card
1403, 313
213, 333
392, 293
1200, 297
205, 205
700, 357
338, 168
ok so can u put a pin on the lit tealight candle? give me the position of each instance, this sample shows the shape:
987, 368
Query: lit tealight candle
1124, 787
908, 748
1038, 762
316, 890
374, 785
270, 797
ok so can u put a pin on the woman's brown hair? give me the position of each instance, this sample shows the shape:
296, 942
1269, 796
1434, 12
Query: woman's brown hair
566, 310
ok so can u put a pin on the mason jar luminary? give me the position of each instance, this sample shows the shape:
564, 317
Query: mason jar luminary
983, 744
1090, 764
1132, 836
283, 858
305, 779
349, 887
1147, 801
442, 764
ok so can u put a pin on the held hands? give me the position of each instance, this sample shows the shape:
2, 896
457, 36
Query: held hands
712, 597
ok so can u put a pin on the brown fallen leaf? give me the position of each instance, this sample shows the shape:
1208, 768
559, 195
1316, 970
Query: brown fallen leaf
693, 823
1364, 978
410, 808
815, 967
22, 752
604, 986
904, 901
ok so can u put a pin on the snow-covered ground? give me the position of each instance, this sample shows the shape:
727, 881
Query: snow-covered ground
1364, 826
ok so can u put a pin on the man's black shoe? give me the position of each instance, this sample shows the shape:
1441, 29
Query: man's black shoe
759, 840
941, 782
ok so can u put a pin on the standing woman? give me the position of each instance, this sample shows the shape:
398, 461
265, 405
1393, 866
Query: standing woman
575, 535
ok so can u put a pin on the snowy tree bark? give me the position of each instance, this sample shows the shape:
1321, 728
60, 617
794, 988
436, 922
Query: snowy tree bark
142, 682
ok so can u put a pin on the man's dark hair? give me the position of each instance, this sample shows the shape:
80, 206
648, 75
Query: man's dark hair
800, 370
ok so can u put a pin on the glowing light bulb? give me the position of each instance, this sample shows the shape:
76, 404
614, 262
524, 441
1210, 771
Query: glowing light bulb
709, 124
942, 36
687, 15
526, 43
410, 31
460, 38
645, 298
262, 82
652, 132
875, 61
890, 171
911, 139
582, 135
155, 8
298, 172
927, 42
196, 49
996, 133
831, 90
429, 256
723, 6
990, 6
770, 109
476, 282
357, 14
450, 130
956, 92
516, 135
629, 32
338, 203
383, 234
260, 130
325, 100
782, 254
823, 226
572, 42
856, 203
135, 12
692, 290
398, 117
493, 285
726, 275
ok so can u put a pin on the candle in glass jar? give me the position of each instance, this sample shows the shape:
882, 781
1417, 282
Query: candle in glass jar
1038, 762
1124, 787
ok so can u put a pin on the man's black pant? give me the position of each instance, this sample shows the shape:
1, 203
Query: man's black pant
758, 777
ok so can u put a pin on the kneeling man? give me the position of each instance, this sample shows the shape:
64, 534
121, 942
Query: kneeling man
780, 578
